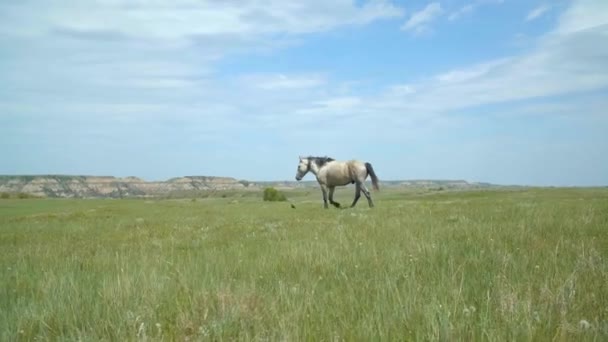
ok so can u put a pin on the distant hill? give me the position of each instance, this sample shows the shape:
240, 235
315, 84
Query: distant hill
66, 186
111, 187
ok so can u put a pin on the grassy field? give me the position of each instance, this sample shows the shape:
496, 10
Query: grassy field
494, 265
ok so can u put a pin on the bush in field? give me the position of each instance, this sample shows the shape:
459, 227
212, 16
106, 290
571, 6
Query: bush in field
5, 195
273, 195
19, 195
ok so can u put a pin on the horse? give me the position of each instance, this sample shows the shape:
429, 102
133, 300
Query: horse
331, 173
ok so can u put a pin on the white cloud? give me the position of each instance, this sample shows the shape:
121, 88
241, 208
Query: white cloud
419, 21
537, 12
282, 81
560, 64
563, 61
584, 15
569, 59
183, 19
471, 7
552, 69
470, 73
402, 89
341, 103
121, 50
462, 11
573, 58
336, 106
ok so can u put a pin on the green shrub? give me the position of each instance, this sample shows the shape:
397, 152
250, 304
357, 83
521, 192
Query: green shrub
5, 195
273, 195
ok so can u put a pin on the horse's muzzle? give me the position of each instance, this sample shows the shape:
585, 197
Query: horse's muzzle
298, 178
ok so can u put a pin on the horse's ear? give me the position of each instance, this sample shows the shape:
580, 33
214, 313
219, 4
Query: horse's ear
300, 158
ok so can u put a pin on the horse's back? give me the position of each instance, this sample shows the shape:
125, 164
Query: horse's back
335, 173
343, 172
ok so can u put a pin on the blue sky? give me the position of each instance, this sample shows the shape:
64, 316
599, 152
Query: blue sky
501, 91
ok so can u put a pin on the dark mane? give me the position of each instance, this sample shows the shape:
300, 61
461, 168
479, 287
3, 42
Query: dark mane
320, 161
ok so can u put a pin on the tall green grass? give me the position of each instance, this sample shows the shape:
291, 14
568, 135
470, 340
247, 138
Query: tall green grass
475, 266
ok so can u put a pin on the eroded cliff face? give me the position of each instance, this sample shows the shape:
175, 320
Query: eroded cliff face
94, 186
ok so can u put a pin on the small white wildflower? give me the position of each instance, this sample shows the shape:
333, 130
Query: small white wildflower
583, 324
537, 267
466, 312
203, 331
141, 332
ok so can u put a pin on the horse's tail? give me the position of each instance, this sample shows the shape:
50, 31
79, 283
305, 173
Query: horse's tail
370, 171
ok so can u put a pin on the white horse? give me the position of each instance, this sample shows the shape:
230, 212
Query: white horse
331, 173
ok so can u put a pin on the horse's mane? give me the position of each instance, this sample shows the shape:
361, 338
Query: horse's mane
320, 161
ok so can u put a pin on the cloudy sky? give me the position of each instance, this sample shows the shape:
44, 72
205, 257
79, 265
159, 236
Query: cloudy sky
502, 91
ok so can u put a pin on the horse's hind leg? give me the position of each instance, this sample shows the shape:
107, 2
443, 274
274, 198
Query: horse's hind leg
331, 197
367, 195
357, 195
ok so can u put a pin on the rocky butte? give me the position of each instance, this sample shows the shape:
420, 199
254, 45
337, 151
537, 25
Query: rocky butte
113, 187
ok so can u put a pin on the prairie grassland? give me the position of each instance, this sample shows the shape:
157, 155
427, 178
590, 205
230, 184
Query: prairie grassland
519, 265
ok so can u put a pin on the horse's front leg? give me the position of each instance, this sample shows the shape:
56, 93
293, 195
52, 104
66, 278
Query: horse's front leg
331, 197
324, 191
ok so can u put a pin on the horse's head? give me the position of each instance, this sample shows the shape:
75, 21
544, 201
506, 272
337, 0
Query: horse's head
303, 168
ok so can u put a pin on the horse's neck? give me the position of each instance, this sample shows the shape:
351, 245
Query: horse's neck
314, 168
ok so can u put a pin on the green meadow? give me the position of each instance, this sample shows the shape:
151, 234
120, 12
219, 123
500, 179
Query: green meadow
491, 265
